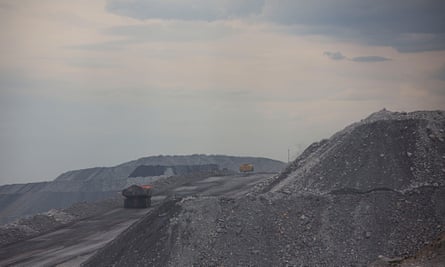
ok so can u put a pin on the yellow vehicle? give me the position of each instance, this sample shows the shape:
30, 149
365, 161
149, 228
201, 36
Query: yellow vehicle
246, 167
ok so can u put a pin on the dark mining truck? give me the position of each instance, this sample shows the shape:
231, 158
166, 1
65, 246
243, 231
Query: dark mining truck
137, 196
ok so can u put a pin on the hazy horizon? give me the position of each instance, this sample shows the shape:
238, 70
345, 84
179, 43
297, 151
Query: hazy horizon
99, 83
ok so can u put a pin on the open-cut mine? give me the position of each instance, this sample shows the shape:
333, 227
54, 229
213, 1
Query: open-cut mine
373, 194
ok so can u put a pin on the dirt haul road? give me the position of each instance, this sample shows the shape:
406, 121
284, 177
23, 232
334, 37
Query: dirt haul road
70, 244
73, 244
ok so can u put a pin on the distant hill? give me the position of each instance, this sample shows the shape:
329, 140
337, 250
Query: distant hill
92, 184
125, 169
157, 170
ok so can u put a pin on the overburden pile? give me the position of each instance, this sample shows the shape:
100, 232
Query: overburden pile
373, 192
95, 184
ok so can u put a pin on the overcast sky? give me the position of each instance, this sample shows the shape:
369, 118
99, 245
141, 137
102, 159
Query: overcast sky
96, 83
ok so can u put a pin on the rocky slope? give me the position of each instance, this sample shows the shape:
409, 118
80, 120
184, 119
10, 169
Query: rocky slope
41, 223
93, 225
375, 189
395, 151
94, 184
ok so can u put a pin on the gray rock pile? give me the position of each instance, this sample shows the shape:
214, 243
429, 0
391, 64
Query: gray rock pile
375, 190
396, 151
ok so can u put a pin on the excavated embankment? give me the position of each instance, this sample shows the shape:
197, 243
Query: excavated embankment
377, 188
94, 184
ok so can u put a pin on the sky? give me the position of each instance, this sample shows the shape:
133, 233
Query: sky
97, 83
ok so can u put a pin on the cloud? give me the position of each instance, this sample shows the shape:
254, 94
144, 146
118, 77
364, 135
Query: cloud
401, 16
334, 55
361, 59
102, 46
406, 25
91, 63
6, 6
370, 59
172, 31
184, 10
439, 74
159, 32
406, 42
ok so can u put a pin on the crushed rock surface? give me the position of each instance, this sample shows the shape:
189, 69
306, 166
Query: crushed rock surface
337, 230
397, 151
55, 218
375, 190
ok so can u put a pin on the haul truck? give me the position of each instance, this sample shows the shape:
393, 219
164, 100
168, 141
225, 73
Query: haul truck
246, 167
137, 196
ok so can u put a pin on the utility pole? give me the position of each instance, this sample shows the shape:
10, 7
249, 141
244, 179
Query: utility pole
288, 155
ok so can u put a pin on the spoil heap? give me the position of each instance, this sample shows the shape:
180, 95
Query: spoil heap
393, 151
377, 188
93, 184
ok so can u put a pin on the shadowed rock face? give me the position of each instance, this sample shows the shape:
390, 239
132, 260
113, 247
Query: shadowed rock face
144, 171
375, 188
